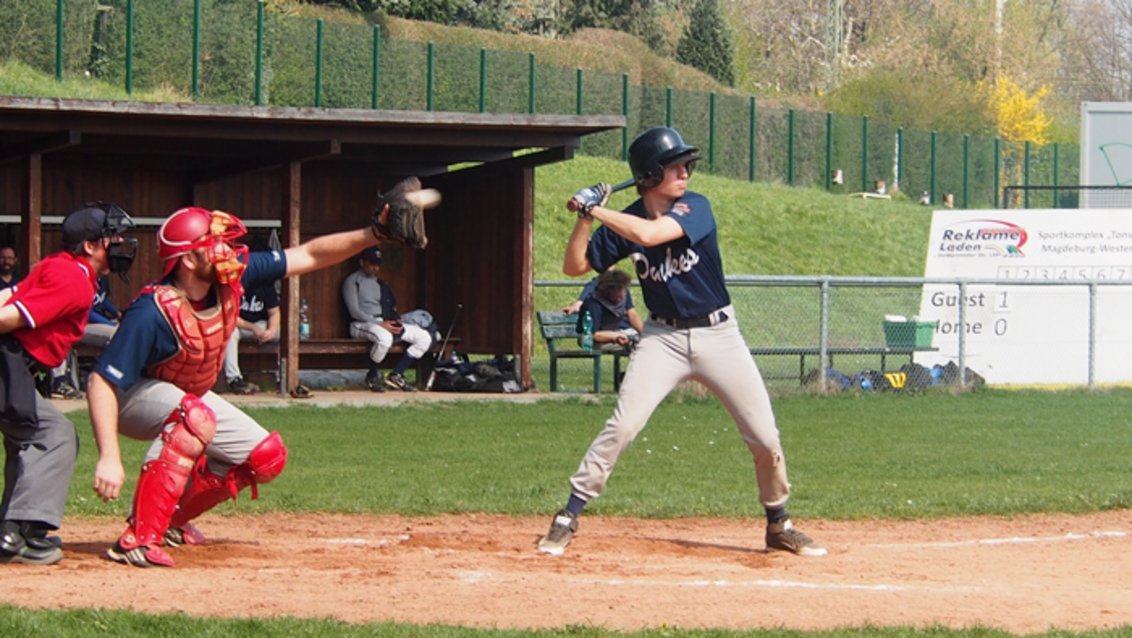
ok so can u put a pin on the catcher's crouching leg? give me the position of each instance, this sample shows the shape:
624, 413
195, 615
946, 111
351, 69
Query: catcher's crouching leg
188, 431
264, 463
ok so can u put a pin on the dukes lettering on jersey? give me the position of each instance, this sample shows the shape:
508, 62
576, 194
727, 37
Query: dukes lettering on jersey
669, 267
682, 278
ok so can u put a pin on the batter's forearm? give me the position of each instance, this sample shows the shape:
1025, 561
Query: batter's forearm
576, 262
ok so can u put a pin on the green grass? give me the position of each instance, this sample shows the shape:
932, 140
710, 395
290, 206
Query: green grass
100, 623
850, 457
764, 228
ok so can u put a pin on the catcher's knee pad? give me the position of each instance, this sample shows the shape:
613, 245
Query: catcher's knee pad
264, 463
188, 431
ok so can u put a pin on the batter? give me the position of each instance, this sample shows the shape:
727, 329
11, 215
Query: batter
670, 235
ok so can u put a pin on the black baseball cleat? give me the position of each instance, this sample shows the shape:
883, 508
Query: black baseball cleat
14, 548
398, 382
35, 534
241, 386
375, 382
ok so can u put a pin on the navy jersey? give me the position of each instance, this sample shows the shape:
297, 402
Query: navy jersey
257, 301
103, 311
680, 279
145, 338
606, 314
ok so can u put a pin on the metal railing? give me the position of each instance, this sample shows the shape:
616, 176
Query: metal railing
841, 321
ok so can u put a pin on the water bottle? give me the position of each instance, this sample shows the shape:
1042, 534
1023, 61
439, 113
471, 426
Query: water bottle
587, 331
304, 321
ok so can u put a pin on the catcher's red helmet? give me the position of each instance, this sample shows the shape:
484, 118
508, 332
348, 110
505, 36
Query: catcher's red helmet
193, 227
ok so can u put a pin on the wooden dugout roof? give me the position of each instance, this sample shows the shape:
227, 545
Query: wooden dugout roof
307, 171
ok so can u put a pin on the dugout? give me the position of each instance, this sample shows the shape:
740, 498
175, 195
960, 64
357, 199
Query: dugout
304, 172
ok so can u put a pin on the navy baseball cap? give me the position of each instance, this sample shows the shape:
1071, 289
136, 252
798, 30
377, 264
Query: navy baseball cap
372, 255
82, 225
94, 221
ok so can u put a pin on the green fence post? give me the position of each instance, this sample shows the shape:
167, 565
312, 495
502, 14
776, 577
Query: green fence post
668, 107
966, 170
429, 79
899, 156
130, 47
59, 40
711, 131
578, 91
790, 147
864, 153
483, 79
1056, 162
318, 62
751, 141
196, 50
1026, 175
931, 169
625, 112
376, 74
531, 82
828, 151
997, 163
259, 54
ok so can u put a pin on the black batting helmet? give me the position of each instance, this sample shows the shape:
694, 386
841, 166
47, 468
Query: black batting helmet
654, 149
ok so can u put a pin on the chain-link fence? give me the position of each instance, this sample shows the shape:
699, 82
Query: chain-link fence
222, 52
806, 330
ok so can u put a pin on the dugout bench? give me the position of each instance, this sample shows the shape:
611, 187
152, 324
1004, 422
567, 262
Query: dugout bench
558, 328
318, 354
332, 354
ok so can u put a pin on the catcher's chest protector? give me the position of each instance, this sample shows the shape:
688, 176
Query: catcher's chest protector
202, 338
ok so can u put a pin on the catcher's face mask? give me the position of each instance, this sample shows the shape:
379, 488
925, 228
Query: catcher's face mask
213, 231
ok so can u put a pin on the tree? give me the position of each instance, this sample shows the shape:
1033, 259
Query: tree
708, 44
635, 17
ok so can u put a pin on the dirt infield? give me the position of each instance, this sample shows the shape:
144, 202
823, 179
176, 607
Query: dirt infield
1023, 574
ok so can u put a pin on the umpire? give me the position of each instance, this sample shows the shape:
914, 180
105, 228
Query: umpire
41, 319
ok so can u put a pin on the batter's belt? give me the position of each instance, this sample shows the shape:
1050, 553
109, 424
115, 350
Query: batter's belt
713, 318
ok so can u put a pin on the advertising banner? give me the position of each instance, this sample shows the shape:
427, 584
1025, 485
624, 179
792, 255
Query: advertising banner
1023, 334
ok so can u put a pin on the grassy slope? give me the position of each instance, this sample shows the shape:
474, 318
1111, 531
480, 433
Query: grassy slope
765, 228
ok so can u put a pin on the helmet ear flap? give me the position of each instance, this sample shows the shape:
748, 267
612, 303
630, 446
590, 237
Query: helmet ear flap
649, 180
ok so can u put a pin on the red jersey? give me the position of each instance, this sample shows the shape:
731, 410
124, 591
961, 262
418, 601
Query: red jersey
55, 300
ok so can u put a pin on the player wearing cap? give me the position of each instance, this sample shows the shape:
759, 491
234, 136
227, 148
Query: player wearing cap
670, 235
153, 381
41, 319
374, 316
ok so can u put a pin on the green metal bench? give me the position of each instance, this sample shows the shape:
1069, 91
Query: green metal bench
558, 328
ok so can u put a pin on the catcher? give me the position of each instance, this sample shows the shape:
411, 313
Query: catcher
153, 381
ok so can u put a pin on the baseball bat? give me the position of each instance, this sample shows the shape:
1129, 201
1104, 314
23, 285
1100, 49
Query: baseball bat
443, 346
572, 206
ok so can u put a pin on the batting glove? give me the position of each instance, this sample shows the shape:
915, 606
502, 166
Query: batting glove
586, 198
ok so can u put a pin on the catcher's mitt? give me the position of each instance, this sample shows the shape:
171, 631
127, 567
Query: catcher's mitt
404, 221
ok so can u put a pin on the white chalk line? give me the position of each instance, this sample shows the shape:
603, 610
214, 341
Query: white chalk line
480, 577
380, 542
1010, 540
